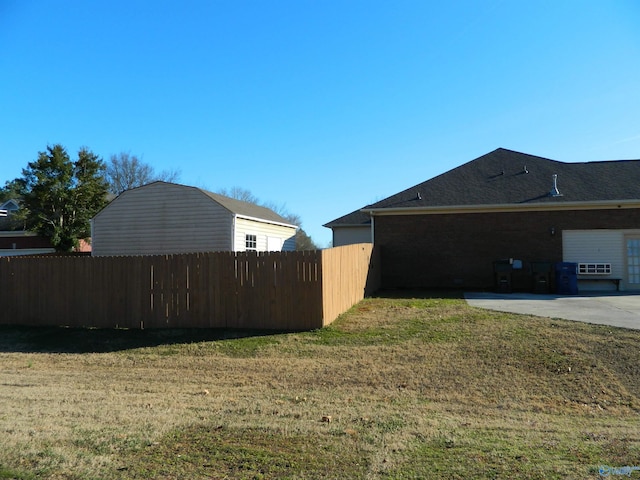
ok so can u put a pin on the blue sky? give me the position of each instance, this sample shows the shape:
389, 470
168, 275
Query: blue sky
323, 106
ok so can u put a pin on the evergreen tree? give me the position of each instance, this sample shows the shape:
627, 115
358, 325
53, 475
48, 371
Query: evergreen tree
59, 196
303, 240
10, 191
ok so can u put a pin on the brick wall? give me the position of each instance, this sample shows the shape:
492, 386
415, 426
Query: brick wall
458, 250
22, 241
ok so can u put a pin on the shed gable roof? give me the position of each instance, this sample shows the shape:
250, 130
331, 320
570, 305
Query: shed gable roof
506, 177
246, 209
237, 207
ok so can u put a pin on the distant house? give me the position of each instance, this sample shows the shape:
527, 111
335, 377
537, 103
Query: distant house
167, 218
507, 206
19, 242
9, 207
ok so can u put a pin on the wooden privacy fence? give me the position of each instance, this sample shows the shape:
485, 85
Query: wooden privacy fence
248, 290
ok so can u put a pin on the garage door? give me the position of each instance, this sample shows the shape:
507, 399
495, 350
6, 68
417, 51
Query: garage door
596, 246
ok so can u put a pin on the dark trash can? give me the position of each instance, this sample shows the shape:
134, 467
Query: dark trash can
541, 272
566, 278
503, 276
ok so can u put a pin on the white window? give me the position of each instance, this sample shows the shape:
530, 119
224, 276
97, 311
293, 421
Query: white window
250, 242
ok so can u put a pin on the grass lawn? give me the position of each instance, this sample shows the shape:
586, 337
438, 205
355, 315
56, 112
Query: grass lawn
418, 386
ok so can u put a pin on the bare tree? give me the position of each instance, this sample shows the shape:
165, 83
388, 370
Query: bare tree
126, 171
303, 241
240, 193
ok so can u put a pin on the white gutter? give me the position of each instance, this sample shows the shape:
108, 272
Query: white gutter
262, 220
233, 233
18, 252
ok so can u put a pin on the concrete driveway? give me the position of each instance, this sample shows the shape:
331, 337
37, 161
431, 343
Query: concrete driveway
610, 308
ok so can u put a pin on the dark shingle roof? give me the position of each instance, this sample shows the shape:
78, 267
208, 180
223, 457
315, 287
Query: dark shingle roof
246, 209
353, 219
504, 177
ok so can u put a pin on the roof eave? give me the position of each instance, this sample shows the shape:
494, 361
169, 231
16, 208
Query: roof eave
264, 220
502, 208
351, 225
17, 233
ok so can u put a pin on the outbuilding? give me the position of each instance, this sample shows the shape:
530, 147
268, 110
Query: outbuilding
168, 218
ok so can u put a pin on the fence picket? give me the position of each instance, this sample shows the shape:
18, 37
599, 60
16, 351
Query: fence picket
278, 291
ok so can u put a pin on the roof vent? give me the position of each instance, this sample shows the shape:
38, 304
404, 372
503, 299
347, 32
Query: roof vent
554, 191
418, 196
524, 169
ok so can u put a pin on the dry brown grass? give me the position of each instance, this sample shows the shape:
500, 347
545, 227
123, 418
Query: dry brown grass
422, 387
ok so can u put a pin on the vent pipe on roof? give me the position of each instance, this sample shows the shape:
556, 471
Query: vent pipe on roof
554, 191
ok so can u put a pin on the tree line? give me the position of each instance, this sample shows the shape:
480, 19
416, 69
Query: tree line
59, 195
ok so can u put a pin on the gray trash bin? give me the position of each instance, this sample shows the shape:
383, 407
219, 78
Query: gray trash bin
503, 273
541, 272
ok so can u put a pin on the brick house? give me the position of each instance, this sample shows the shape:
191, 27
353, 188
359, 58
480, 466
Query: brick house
14, 241
508, 207
20, 242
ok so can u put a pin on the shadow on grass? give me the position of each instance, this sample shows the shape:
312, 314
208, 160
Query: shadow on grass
84, 340
424, 293
24, 339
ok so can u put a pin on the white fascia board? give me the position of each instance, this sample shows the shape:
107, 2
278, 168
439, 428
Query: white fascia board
262, 220
19, 252
504, 208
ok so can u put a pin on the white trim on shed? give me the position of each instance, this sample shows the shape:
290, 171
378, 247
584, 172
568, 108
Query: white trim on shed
286, 234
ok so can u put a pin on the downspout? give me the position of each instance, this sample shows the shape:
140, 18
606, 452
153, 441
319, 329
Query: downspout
233, 232
373, 237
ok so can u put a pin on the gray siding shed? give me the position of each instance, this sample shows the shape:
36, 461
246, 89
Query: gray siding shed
166, 218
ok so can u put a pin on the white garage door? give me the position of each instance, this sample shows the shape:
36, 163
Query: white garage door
596, 246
